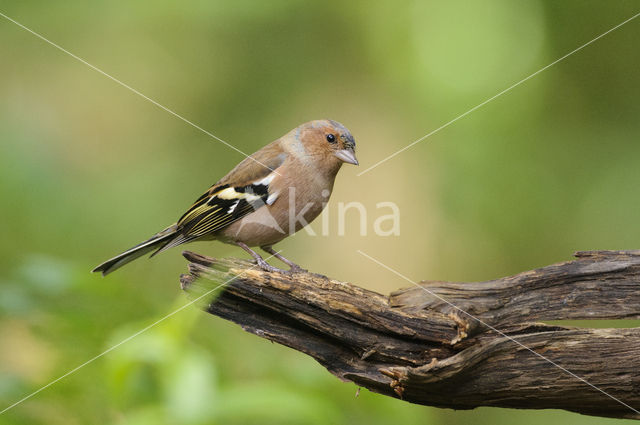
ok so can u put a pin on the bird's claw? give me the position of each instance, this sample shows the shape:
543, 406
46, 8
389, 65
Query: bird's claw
268, 267
297, 269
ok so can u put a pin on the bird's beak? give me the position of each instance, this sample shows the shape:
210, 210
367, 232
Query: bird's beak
347, 155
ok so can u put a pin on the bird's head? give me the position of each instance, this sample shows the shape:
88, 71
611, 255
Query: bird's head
329, 140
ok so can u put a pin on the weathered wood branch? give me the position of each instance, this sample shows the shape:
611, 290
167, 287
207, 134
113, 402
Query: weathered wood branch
414, 346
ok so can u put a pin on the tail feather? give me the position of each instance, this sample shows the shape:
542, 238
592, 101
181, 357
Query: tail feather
156, 242
177, 240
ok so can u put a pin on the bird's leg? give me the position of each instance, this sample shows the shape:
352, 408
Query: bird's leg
259, 260
294, 267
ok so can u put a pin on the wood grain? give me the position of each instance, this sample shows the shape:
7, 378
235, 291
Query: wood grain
414, 346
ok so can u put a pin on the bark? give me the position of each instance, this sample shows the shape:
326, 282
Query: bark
489, 350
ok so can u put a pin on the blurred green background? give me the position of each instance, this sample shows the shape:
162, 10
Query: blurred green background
88, 169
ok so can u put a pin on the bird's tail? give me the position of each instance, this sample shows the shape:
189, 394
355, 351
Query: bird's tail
156, 242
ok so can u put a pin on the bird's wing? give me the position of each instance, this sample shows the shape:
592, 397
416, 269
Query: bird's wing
242, 191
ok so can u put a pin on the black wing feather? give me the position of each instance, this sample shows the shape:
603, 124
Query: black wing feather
211, 212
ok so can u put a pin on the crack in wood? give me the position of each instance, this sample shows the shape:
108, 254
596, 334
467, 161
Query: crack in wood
413, 346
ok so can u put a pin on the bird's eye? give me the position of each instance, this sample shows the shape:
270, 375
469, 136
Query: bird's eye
331, 138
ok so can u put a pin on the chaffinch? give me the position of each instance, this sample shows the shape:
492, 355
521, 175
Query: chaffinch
268, 196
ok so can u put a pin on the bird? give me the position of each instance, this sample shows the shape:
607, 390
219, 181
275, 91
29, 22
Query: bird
267, 197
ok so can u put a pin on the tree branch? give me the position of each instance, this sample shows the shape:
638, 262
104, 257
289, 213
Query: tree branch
412, 345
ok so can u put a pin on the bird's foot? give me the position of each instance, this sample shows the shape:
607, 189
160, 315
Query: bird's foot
297, 269
268, 267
